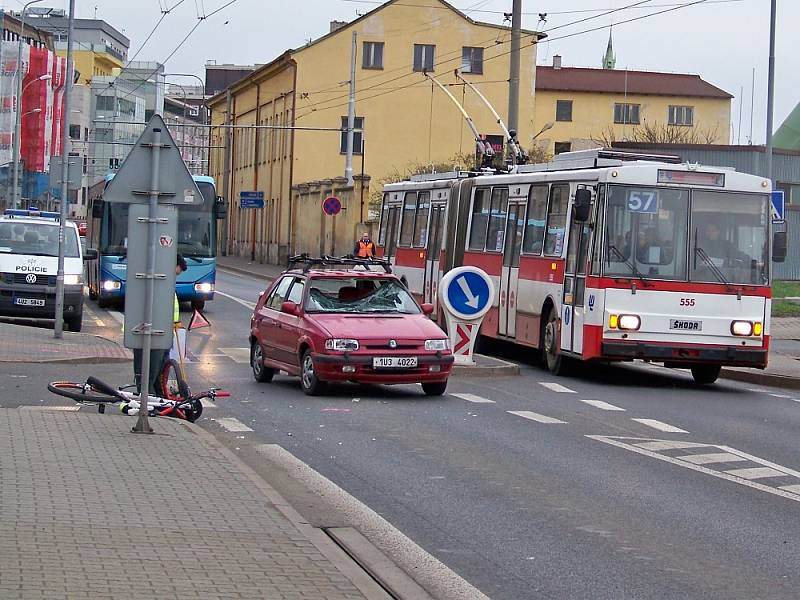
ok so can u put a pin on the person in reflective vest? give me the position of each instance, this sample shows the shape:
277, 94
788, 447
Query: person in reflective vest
364, 247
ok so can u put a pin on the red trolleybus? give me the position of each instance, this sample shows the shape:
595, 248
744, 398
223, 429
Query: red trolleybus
601, 255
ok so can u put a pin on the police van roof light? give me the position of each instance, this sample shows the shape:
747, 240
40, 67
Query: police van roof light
31, 212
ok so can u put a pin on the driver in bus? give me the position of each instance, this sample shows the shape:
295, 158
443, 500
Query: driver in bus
717, 247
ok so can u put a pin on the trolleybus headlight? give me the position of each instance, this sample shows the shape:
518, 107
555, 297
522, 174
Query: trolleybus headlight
110, 285
743, 328
72, 280
629, 322
204, 288
342, 345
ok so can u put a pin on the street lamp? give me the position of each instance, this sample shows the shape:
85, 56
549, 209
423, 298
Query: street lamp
543, 129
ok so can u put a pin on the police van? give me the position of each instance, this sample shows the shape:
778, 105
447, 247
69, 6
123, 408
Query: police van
29, 265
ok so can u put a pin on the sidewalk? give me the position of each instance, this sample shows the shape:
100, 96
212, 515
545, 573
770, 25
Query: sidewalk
72, 490
244, 266
37, 345
784, 357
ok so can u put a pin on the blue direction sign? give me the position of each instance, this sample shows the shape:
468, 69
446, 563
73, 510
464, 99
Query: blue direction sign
467, 292
331, 206
251, 199
778, 206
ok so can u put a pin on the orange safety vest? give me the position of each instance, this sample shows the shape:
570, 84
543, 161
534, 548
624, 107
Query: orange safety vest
365, 250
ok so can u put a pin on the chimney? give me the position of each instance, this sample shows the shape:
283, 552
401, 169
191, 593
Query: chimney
556, 61
337, 25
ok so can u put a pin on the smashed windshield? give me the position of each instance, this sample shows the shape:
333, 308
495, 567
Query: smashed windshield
359, 295
36, 239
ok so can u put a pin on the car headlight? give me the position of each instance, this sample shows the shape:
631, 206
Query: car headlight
432, 345
625, 322
744, 328
72, 280
204, 288
110, 285
341, 345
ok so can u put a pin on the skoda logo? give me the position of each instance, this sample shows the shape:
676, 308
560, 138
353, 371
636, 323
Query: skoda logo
392, 344
30, 278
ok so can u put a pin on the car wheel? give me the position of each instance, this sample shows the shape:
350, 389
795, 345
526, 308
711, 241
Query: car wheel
556, 363
309, 381
434, 389
261, 373
705, 374
75, 322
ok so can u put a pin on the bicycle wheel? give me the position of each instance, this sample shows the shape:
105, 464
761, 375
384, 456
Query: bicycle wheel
80, 392
173, 385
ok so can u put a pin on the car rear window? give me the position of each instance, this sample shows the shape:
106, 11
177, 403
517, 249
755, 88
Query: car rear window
359, 295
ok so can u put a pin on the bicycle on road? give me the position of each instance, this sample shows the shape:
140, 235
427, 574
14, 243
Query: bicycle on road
177, 400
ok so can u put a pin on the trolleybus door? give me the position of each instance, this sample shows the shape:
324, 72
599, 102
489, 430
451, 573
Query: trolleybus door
433, 252
573, 306
391, 232
515, 225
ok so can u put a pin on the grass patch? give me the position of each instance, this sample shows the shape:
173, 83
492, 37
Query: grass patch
785, 308
783, 289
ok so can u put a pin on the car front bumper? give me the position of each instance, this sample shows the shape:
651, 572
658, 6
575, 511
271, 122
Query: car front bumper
73, 301
430, 368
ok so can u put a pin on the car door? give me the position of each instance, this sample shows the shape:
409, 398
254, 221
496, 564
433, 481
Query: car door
288, 327
268, 319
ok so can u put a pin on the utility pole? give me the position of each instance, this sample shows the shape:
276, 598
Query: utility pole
771, 87
351, 116
226, 172
65, 147
513, 80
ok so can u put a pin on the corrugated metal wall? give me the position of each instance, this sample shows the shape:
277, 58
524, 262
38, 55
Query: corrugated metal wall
791, 268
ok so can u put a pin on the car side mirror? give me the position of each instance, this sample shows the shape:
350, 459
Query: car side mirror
220, 207
290, 308
779, 246
427, 308
582, 206
90, 254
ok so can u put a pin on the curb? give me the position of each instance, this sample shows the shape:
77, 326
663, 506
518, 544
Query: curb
504, 369
781, 381
246, 272
83, 360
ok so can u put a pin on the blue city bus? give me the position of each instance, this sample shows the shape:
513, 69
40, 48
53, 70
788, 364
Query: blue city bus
107, 232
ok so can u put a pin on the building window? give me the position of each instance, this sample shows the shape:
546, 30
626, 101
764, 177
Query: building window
562, 147
563, 110
423, 57
471, 60
373, 55
681, 115
626, 113
358, 136
75, 132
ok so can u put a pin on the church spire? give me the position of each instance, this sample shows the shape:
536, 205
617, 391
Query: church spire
609, 60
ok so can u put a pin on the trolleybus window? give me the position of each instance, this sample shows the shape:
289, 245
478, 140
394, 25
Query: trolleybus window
407, 226
421, 222
729, 238
480, 219
537, 216
497, 220
556, 220
384, 220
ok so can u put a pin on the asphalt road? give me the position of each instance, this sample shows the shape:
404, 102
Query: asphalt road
621, 482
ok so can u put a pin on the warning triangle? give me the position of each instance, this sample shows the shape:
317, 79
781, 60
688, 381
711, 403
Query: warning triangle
198, 321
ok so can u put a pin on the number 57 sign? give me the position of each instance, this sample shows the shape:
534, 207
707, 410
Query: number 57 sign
643, 201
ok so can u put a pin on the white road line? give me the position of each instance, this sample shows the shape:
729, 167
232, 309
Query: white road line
473, 398
795, 489
756, 473
707, 459
245, 303
237, 355
233, 425
557, 387
780, 396
665, 445
661, 426
526, 414
602, 405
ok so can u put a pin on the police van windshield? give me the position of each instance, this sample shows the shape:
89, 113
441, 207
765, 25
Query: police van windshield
36, 239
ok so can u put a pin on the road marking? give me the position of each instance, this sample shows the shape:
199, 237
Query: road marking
661, 426
780, 396
237, 355
602, 405
473, 398
71, 408
795, 489
233, 425
707, 459
756, 473
526, 414
665, 445
557, 387
93, 316
245, 303
117, 316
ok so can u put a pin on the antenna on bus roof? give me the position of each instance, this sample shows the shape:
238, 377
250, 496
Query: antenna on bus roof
518, 156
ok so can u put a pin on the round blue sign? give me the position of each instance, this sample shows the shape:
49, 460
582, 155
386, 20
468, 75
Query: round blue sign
468, 293
331, 206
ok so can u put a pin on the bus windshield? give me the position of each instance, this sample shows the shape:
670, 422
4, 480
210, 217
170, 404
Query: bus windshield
646, 235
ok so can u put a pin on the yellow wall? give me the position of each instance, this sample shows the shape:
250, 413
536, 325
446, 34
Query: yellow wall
593, 117
89, 64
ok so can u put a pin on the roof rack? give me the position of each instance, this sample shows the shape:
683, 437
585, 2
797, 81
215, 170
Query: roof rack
597, 157
310, 262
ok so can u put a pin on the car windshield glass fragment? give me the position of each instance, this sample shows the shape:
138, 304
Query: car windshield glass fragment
359, 295
36, 239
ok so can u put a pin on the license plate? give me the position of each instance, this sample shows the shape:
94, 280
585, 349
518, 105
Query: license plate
394, 362
685, 325
28, 302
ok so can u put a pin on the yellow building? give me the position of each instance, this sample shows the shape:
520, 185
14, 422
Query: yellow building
95, 61
579, 108
402, 120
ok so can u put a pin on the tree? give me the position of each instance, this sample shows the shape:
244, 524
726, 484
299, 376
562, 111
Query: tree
657, 133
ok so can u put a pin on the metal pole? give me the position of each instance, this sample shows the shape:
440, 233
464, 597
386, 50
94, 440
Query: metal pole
513, 88
65, 147
351, 116
142, 425
226, 175
771, 88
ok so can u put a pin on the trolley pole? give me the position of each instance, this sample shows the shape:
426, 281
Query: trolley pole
351, 116
58, 332
771, 88
513, 80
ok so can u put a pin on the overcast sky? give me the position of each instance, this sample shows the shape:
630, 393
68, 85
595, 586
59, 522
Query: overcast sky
721, 40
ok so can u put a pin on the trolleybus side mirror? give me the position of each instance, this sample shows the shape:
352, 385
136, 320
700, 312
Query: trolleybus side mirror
90, 254
779, 246
220, 207
583, 205
97, 208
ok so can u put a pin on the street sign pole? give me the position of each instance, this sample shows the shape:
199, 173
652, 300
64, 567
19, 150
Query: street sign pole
466, 295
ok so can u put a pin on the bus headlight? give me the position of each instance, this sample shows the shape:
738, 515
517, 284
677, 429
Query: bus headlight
110, 285
204, 288
626, 322
742, 328
72, 280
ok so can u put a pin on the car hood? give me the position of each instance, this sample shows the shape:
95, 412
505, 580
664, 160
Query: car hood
378, 327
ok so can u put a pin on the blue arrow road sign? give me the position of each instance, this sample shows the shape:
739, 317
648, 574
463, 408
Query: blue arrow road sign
251, 199
468, 293
778, 206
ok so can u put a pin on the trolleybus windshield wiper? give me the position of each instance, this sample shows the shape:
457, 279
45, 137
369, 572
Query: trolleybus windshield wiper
712, 267
630, 265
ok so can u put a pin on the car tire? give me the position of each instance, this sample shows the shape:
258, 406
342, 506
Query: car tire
556, 363
198, 304
74, 322
705, 374
436, 388
261, 373
309, 381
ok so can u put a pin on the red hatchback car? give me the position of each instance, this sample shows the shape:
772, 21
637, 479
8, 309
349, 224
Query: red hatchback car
353, 323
